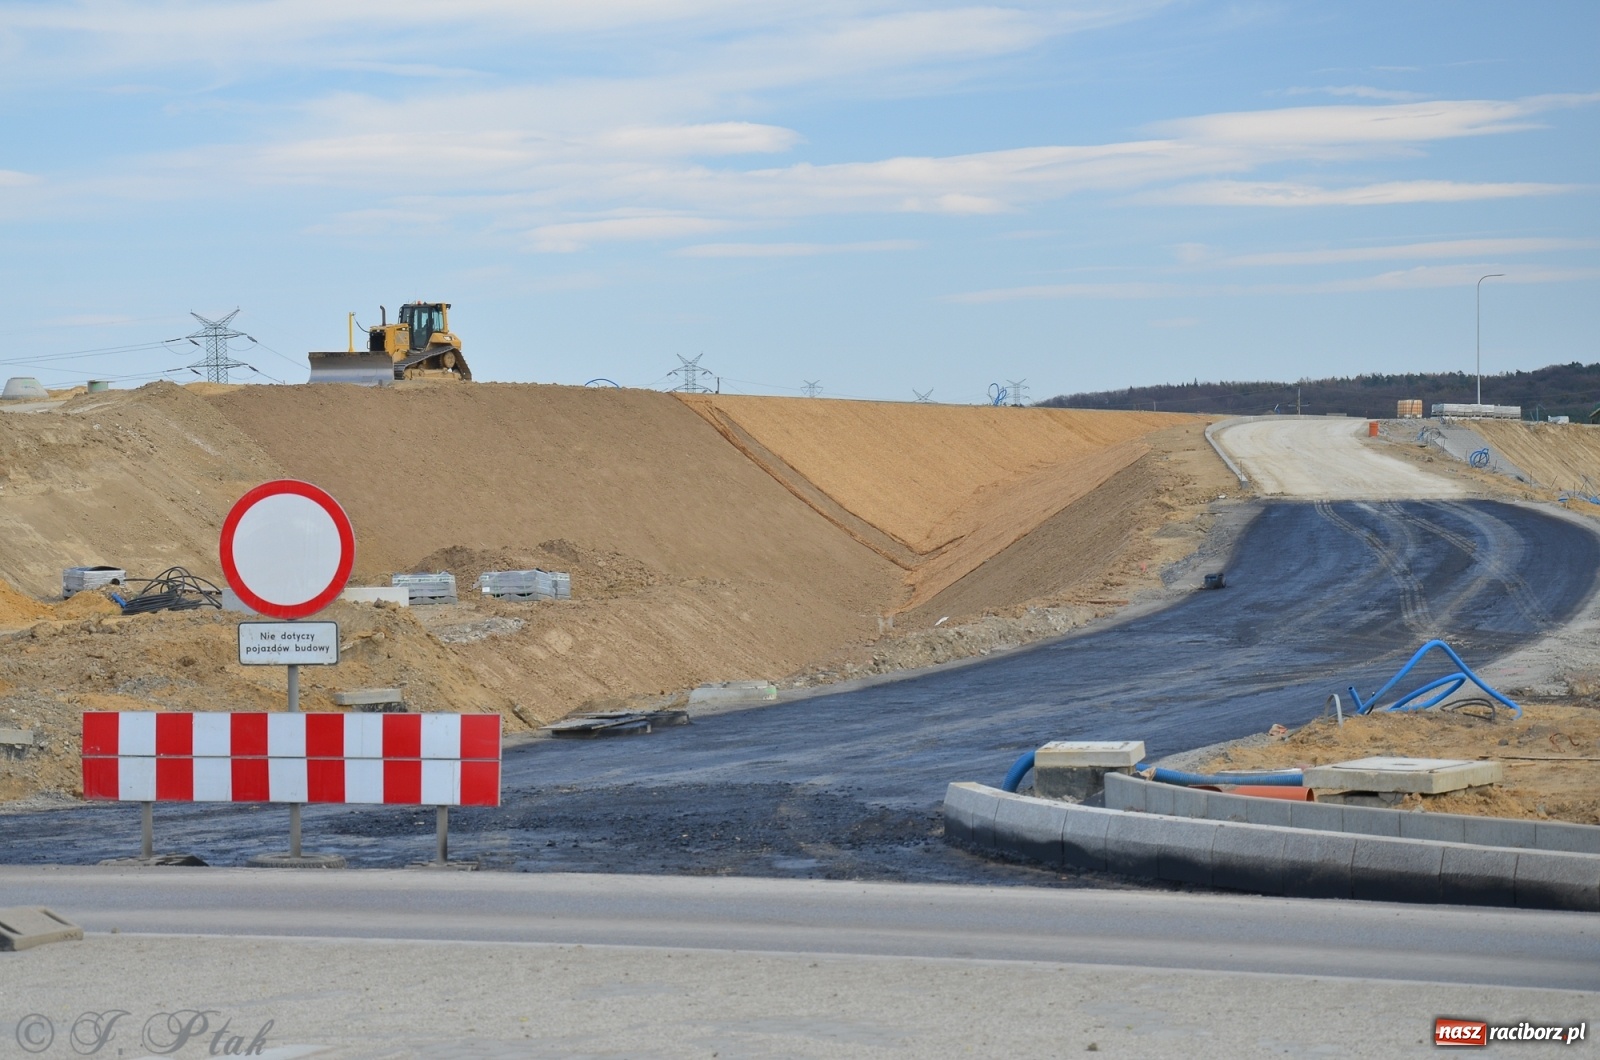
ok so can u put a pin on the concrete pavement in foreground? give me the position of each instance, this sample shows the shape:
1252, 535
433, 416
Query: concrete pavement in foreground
390, 964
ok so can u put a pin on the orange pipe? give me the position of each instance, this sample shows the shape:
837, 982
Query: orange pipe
1275, 791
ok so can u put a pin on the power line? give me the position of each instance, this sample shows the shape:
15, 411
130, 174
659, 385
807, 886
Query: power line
690, 371
1017, 389
218, 359
923, 399
812, 387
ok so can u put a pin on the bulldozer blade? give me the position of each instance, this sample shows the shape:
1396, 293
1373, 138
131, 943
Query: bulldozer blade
362, 369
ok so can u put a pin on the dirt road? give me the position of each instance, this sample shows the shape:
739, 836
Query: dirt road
848, 785
1323, 459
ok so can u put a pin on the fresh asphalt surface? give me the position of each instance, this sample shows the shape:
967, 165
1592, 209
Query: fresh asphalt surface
1215, 933
1319, 596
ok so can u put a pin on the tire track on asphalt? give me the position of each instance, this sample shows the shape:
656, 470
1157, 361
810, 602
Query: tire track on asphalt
1415, 611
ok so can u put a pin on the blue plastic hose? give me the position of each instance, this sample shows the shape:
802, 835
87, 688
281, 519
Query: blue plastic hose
1455, 681
1018, 770
1289, 778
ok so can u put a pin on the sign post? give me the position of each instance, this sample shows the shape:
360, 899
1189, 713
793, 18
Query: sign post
287, 550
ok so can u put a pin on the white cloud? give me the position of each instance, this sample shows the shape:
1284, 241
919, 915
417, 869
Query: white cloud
11, 178
1423, 276
1360, 92
717, 138
1278, 193
1453, 248
565, 238
1351, 124
794, 250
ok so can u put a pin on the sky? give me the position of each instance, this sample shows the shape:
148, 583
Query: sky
882, 197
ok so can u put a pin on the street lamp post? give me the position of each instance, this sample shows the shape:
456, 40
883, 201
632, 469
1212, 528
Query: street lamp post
1479, 307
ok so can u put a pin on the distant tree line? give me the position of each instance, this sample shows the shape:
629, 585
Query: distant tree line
1560, 390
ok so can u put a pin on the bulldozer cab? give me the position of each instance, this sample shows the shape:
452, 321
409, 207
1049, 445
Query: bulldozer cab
423, 318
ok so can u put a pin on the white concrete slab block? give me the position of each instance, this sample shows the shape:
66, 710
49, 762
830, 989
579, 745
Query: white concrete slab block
1073, 754
1428, 776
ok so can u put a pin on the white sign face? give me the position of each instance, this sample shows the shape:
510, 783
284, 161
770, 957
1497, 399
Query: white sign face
288, 643
286, 548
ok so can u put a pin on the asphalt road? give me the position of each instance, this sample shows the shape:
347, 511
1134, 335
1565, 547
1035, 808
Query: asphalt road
1320, 596
1368, 940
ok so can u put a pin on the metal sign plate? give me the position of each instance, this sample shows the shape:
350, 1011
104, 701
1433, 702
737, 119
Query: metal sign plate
287, 549
288, 643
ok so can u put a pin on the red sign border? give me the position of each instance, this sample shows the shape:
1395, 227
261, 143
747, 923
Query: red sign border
347, 547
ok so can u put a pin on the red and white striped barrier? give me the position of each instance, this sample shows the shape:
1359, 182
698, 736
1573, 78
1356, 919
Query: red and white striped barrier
415, 759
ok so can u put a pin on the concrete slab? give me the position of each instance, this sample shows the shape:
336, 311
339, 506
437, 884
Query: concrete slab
733, 692
1439, 827
1083, 838
1068, 754
23, 927
1429, 776
1032, 828
1548, 880
1477, 876
1248, 859
1125, 792
969, 811
16, 738
1572, 838
1076, 769
1388, 870
1133, 844
1317, 864
1186, 851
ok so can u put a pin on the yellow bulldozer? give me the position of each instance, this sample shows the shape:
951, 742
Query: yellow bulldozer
419, 345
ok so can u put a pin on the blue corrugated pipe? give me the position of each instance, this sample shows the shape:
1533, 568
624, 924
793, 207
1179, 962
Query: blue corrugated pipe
1286, 777
1019, 769
1289, 778
1455, 681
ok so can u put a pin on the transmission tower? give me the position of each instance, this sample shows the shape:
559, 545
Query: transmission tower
689, 371
923, 399
812, 387
1018, 391
216, 334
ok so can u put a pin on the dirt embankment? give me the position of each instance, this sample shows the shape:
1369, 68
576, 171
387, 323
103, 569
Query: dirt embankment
691, 560
937, 489
1559, 456
1551, 755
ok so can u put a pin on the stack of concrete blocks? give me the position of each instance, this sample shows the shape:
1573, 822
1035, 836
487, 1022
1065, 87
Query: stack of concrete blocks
437, 588
1076, 769
526, 584
80, 579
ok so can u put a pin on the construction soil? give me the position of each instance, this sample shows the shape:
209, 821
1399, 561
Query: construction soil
847, 537
1551, 755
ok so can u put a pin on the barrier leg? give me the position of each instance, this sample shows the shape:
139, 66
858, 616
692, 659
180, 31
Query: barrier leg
294, 829
147, 837
442, 823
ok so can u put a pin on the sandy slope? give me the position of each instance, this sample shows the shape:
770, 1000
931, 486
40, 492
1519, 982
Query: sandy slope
1559, 456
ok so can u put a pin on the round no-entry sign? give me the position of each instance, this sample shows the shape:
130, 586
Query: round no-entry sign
287, 549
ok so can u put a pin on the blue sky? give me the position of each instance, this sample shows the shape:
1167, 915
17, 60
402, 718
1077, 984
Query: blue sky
881, 196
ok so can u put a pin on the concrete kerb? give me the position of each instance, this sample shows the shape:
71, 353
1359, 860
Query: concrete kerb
1268, 858
1135, 793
